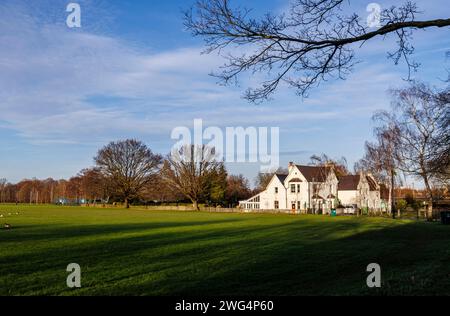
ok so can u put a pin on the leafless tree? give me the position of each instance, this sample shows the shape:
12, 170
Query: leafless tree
94, 185
3, 183
263, 178
160, 191
188, 169
129, 165
312, 42
380, 159
416, 113
238, 188
338, 165
439, 160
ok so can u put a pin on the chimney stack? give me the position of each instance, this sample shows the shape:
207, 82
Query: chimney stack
290, 166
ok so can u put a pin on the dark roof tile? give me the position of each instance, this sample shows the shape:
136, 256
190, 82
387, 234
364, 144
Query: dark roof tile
281, 177
372, 183
348, 183
314, 173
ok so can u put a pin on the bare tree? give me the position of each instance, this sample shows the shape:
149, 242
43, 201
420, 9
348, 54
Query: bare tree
188, 169
311, 43
439, 160
3, 183
338, 165
160, 191
380, 159
129, 165
94, 185
263, 178
75, 189
415, 116
238, 188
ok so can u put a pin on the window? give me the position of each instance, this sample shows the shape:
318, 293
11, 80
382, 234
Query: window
299, 205
292, 188
277, 205
276, 189
298, 188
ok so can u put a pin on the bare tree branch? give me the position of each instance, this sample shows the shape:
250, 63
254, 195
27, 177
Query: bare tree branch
309, 44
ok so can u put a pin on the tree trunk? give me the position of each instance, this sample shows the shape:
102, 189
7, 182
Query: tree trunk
430, 198
127, 205
195, 205
391, 194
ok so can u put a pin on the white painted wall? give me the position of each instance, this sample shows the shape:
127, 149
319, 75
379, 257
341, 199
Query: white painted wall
348, 197
302, 199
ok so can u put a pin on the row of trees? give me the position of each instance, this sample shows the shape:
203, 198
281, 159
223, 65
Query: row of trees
128, 171
89, 184
411, 139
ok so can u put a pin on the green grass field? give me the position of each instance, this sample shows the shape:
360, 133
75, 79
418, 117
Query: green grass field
139, 252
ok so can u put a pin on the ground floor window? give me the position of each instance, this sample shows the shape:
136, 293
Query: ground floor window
277, 205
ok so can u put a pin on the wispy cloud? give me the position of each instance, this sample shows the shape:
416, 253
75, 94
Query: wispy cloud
91, 85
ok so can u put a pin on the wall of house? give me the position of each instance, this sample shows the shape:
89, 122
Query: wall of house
296, 198
375, 200
268, 197
303, 199
348, 197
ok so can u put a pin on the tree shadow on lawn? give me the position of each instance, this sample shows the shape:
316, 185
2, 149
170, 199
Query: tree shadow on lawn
55, 232
414, 258
294, 258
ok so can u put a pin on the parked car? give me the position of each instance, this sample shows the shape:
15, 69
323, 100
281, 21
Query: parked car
350, 210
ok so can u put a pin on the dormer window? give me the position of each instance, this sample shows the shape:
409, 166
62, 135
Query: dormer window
276, 189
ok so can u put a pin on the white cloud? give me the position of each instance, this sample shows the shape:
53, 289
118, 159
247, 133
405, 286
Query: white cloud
65, 85
48, 73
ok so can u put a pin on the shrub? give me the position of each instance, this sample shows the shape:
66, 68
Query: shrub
401, 205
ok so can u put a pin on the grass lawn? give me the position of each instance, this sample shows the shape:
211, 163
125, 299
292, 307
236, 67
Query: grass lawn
138, 252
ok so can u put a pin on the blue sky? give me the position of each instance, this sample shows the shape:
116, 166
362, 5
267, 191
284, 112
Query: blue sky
133, 71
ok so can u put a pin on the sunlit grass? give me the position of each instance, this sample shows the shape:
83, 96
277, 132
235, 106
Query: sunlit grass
141, 252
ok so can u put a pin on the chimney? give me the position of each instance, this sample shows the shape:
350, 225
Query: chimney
290, 166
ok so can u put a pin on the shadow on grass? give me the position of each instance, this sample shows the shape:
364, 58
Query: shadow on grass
54, 232
299, 257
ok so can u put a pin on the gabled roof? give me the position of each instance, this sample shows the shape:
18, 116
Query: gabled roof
348, 183
295, 180
314, 173
281, 177
372, 183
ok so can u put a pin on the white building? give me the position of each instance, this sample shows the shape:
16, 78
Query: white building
360, 190
315, 189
